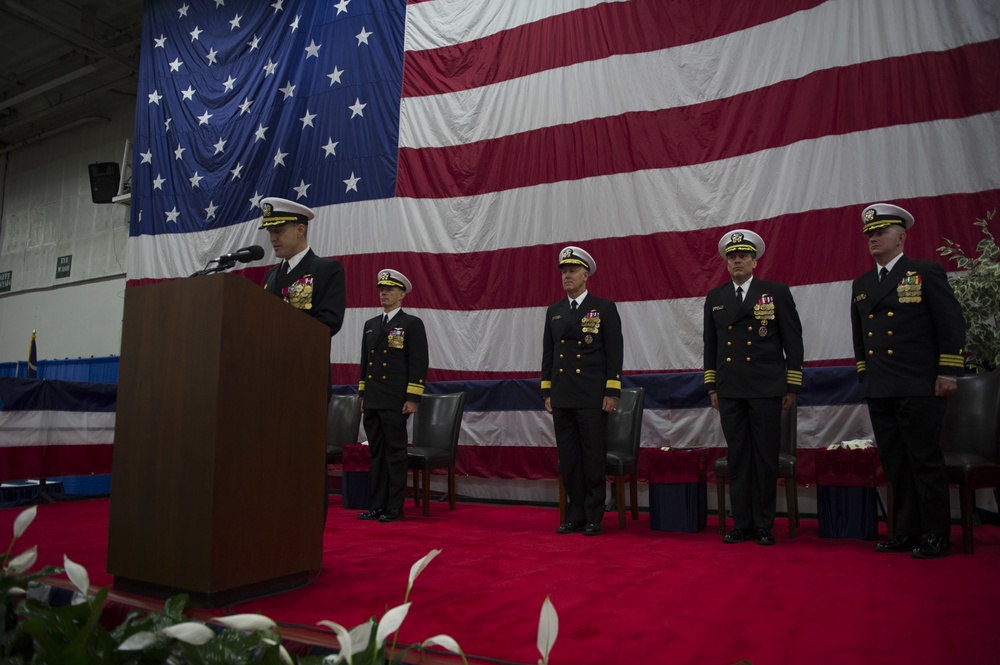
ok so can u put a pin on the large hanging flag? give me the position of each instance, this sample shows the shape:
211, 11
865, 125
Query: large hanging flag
464, 142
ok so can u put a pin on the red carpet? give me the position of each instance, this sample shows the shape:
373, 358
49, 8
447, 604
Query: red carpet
633, 596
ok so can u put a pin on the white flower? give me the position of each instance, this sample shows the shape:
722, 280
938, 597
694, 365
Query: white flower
24, 520
282, 653
23, 561
191, 632
77, 575
138, 642
416, 568
361, 635
248, 622
548, 629
445, 641
391, 622
343, 638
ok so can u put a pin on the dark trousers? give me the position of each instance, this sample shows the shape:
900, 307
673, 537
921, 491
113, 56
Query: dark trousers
386, 429
582, 443
752, 428
908, 434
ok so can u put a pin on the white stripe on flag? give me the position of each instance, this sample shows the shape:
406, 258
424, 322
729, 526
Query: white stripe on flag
56, 428
770, 183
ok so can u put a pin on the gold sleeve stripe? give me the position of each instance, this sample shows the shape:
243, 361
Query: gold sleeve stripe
794, 378
414, 389
951, 360
614, 385
361, 386
862, 366
546, 385
709, 376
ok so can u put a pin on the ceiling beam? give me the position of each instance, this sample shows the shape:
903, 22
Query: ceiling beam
5, 130
68, 34
45, 87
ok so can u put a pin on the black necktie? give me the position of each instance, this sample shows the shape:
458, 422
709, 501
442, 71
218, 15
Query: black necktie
739, 295
572, 305
283, 269
882, 273
385, 320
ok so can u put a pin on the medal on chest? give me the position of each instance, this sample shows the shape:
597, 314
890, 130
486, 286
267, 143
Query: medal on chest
396, 338
591, 323
910, 288
299, 294
763, 311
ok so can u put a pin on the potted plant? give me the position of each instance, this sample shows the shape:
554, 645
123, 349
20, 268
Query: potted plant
978, 292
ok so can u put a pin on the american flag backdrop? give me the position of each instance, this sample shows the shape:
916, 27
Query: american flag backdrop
464, 142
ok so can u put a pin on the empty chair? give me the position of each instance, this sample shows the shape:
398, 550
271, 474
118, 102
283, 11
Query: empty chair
786, 470
622, 458
343, 422
970, 440
436, 426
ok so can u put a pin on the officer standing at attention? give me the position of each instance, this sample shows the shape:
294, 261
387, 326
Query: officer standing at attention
310, 283
582, 356
753, 371
393, 369
908, 338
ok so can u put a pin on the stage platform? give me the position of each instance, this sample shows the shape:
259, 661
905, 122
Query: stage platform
627, 596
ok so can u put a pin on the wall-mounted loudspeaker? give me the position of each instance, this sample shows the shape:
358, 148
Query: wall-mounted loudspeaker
103, 181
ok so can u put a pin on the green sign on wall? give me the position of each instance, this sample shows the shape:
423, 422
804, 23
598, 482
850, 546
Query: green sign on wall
5, 279
63, 264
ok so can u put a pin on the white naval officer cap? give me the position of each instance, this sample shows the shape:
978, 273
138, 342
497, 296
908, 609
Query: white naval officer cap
741, 240
574, 256
880, 215
282, 211
390, 277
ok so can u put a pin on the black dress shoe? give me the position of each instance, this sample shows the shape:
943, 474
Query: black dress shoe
737, 535
764, 537
570, 527
372, 514
592, 529
933, 547
391, 516
898, 544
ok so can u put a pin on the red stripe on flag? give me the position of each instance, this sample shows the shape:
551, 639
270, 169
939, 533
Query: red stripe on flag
49, 461
894, 91
618, 28
660, 266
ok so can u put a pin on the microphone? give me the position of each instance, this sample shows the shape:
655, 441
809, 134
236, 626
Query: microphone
245, 255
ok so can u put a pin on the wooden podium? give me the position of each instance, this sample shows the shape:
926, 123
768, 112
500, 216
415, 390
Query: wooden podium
219, 470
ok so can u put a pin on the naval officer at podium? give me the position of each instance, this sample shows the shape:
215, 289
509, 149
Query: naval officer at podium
310, 283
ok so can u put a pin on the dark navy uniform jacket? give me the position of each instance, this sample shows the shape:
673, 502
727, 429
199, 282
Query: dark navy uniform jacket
393, 361
907, 329
744, 358
315, 286
582, 354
